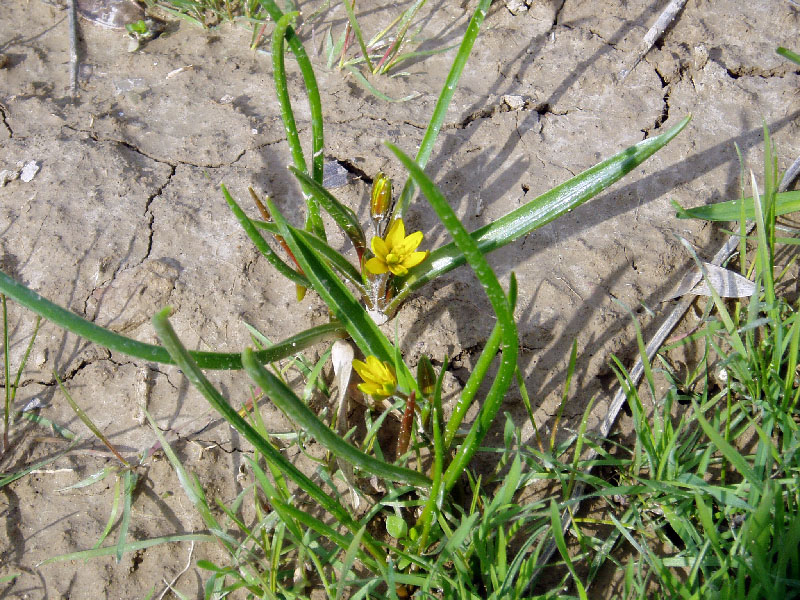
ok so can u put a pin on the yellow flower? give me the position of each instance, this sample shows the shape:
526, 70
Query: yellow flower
379, 379
396, 253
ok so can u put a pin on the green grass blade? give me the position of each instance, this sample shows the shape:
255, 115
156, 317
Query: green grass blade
731, 210
478, 374
786, 53
442, 104
119, 343
112, 517
436, 497
88, 421
348, 6
336, 260
129, 479
375, 91
730, 453
184, 360
313, 218
282, 91
132, 547
558, 535
260, 243
349, 557
392, 59
539, 211
5, 479
294, 408
312, 89
343, 216
500, 305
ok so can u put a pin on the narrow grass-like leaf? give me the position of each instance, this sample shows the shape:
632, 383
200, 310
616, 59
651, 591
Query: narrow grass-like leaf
312, 89
190, 485
349, 558
786, 53
555, 527
375, 91
119, 343
6, 479
131, 547
731, 210
500, 305
294, 408
195, 376
313, 218
342, 215
112, 516
436, 497
88, 421
260, 243
537, 212
336, 260
391, 57
443, 102
351, 16
129, 479
730, 453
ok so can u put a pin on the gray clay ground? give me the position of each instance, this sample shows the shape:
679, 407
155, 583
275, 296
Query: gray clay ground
125, 216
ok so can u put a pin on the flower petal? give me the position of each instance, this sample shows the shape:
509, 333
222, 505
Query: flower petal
396, 234
409, 244
398, 269
379, 247
376, 266
413, 259
360, 367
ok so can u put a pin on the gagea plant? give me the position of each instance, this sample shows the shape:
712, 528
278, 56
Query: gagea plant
418, 536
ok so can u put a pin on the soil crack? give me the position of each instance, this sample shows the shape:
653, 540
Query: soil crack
4, 120
506, 104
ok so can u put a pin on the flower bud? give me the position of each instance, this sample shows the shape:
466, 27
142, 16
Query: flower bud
381, 196
426, 376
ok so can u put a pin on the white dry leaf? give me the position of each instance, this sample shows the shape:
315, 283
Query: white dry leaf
342, 355
727, 283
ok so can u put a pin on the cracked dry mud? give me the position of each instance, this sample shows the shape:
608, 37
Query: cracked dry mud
125, 216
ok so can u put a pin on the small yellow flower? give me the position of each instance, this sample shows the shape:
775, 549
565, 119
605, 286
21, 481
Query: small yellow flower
396, 253
379, 379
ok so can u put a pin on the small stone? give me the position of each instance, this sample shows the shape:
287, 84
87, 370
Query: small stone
516, 7
29, 171
8, 175
514, 102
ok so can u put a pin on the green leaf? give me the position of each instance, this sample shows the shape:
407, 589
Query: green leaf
375, 91
129, 479
294, 408
539, 211
396, 527
119, 343
786, 53
500, 305
443, 102
260, 243
132, 547
348, 6
334, 258
184, 360
730, 210
343, 216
